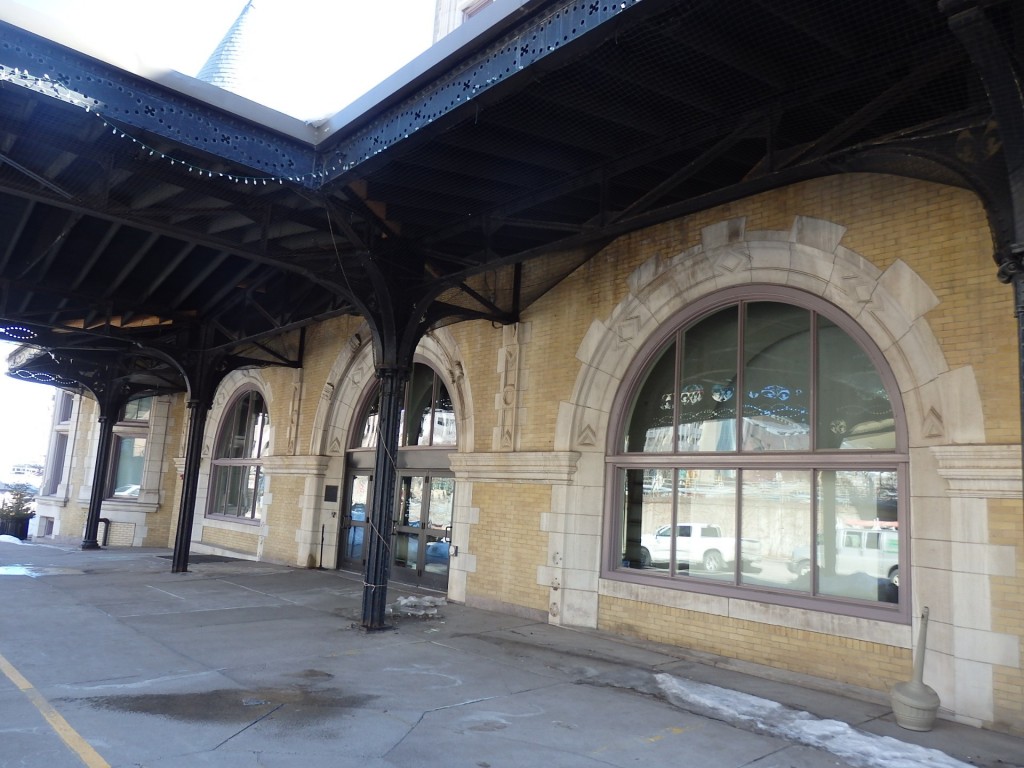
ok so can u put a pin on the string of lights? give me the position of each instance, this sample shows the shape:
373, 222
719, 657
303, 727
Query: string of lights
50, 87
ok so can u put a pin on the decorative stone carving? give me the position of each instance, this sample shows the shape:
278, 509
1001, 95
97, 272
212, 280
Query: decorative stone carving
508, 397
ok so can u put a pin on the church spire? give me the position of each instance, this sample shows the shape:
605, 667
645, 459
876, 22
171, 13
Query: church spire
234, 55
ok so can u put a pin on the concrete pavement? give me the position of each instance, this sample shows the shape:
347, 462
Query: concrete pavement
109, 659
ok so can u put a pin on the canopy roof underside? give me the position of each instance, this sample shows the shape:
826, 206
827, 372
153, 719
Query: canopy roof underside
140, 225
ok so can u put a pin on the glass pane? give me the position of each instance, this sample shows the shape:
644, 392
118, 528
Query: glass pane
853, 407
131, 454
66, 404
354, 536
371, 422
410, 495
650, 424
705, 541
55, 468
776, 377
858, 536
244, 432
442, 496
647, 521
405, 549
435, 555
777, 521
707, 393
259, 435
237, 491
444, 418
138, 409
421, 401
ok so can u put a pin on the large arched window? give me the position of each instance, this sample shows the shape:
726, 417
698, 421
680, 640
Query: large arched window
237, 479
761, 453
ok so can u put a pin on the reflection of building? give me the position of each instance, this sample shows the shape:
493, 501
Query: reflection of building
778, 358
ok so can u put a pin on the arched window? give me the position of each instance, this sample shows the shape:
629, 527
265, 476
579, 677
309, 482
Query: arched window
761, 453
428, 418
237, 479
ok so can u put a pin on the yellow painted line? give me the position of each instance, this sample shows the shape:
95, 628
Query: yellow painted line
69, 735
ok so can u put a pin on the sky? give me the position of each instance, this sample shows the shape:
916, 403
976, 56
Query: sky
24, 417
320, 54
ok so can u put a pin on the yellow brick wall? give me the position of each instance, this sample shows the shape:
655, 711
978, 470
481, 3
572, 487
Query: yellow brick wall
283, 519
81, 439
508, 544
478, 344
160, 525
323, 344
855, 662
940, 232
239, 541
1006, 527
121, 534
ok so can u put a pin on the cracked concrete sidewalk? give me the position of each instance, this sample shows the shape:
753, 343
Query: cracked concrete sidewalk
238, 663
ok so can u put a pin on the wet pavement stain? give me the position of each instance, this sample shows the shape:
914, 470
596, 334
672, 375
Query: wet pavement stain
236, 706
314, 674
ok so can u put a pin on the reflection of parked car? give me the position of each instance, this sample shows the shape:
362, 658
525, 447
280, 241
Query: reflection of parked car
874, 551
437, 553
127, 490
698, 544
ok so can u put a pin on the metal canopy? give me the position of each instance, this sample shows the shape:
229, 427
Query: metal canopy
134, 219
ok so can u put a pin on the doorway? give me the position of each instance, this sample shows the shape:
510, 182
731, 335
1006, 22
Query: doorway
422, 531
420, 534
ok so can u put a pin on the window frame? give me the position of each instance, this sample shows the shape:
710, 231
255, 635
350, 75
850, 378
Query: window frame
220, 464
618, 460
129, 429
369, 400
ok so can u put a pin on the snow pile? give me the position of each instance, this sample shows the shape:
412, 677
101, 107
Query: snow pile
773, 719
415, 605
5, 539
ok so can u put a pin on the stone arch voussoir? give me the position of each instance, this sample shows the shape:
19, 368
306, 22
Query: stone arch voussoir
890, 305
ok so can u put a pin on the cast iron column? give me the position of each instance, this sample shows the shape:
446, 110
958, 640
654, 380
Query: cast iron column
1018, 295
99, 478
190, 482
382, 506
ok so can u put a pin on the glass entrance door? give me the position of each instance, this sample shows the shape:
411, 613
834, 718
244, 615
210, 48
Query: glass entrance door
352, 537
423, 520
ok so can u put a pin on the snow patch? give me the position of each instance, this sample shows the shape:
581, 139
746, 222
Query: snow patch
857, 748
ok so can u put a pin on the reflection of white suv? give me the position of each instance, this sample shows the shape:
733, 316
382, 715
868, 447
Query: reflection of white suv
874, 551
698, 544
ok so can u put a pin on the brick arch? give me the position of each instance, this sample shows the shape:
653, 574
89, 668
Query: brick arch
943, 405
339, 395
354, 367
233, 383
